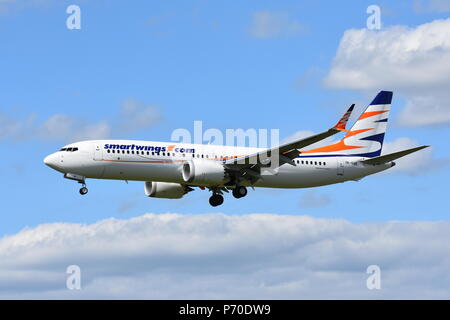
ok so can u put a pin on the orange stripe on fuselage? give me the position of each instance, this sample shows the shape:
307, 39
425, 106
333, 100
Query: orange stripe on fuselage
142, 161
371, 114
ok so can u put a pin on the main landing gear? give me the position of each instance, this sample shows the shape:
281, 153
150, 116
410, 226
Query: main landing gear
239, 192
217, 198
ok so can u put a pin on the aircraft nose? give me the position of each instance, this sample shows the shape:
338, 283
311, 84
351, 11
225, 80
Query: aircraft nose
50, 161
47, 160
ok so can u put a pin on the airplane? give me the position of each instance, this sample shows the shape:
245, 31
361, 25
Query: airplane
171, 170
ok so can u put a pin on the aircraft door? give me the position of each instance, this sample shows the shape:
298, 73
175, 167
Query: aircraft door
98, 153
340, 167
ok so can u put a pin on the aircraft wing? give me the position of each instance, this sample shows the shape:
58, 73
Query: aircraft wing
392, 156
288, 151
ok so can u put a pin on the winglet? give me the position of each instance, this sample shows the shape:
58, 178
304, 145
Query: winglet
343, 121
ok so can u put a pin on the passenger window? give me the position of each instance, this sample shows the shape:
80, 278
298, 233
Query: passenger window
184, 155
108, 151
315, 163
128, 152
302, 162
153, 153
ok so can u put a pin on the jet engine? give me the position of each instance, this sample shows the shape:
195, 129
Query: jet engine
204, 173
166, 190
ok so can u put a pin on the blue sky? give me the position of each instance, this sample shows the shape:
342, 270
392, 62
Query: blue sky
198, 60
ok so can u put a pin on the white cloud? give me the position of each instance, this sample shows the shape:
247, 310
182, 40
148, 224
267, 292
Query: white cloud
70, 128
13, 129
397, 57
412, 61
221, 256
267, 24
133, 116
426, 110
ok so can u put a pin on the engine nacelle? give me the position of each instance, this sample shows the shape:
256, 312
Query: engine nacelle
166, 190
204, 173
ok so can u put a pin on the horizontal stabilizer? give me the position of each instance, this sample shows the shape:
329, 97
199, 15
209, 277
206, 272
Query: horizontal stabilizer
392, 156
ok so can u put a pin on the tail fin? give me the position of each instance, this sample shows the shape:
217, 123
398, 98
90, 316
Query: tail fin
365, 138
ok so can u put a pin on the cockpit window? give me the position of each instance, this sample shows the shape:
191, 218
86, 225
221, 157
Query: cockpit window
69, 149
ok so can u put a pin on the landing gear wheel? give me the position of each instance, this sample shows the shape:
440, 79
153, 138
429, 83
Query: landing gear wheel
216, 200
83, 190
239, 192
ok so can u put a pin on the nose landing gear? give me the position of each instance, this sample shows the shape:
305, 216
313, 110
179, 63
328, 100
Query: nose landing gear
79, 179
83, 190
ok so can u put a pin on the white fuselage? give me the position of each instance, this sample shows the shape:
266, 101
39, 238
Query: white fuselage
162, 161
